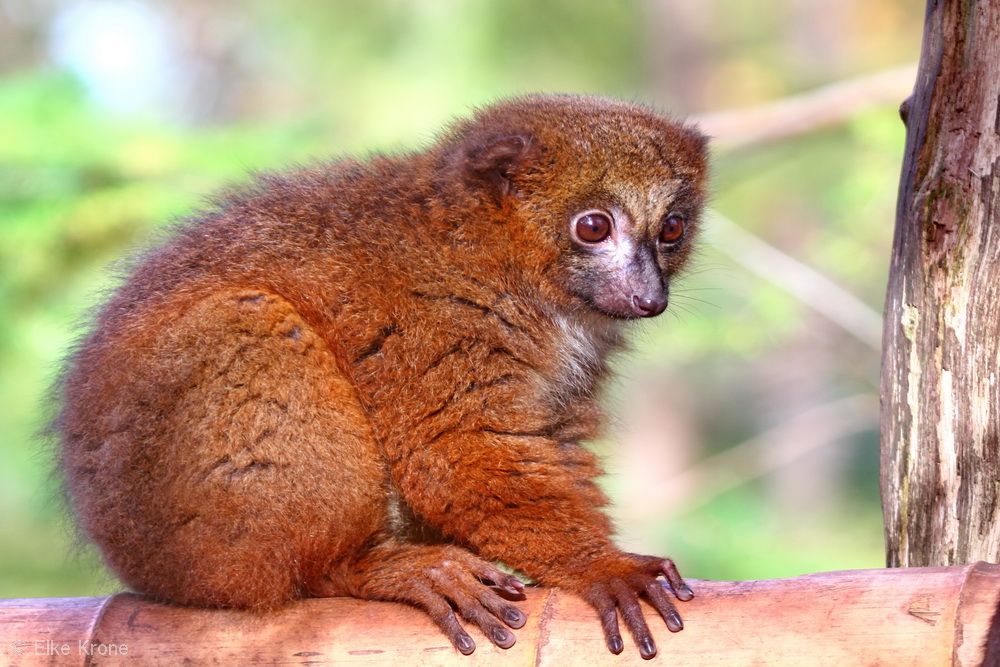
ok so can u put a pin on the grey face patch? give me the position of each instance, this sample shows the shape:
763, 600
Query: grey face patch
620, 274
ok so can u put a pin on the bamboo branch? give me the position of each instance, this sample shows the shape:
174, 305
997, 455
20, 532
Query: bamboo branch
786, 443
806, 284
809, 111
918, 616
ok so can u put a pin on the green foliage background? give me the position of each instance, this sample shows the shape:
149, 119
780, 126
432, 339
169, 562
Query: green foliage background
82, 184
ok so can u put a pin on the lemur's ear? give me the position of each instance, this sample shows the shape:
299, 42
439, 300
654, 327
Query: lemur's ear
499, 159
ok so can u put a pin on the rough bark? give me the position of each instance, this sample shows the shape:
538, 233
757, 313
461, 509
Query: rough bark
941, 338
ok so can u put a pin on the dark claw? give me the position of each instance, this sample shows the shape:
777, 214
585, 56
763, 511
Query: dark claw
647, 649
465, 644
502, 638
677, 585
674, 622
615, 644
514, 618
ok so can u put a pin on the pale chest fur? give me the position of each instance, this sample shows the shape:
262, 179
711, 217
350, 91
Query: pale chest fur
582, 345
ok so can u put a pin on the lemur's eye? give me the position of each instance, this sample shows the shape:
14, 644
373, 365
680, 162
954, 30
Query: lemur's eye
673, 229
592, 227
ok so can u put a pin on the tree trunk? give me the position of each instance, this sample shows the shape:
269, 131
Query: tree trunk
941, 337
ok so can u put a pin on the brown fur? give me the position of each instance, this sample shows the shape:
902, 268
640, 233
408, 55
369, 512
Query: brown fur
351, 378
